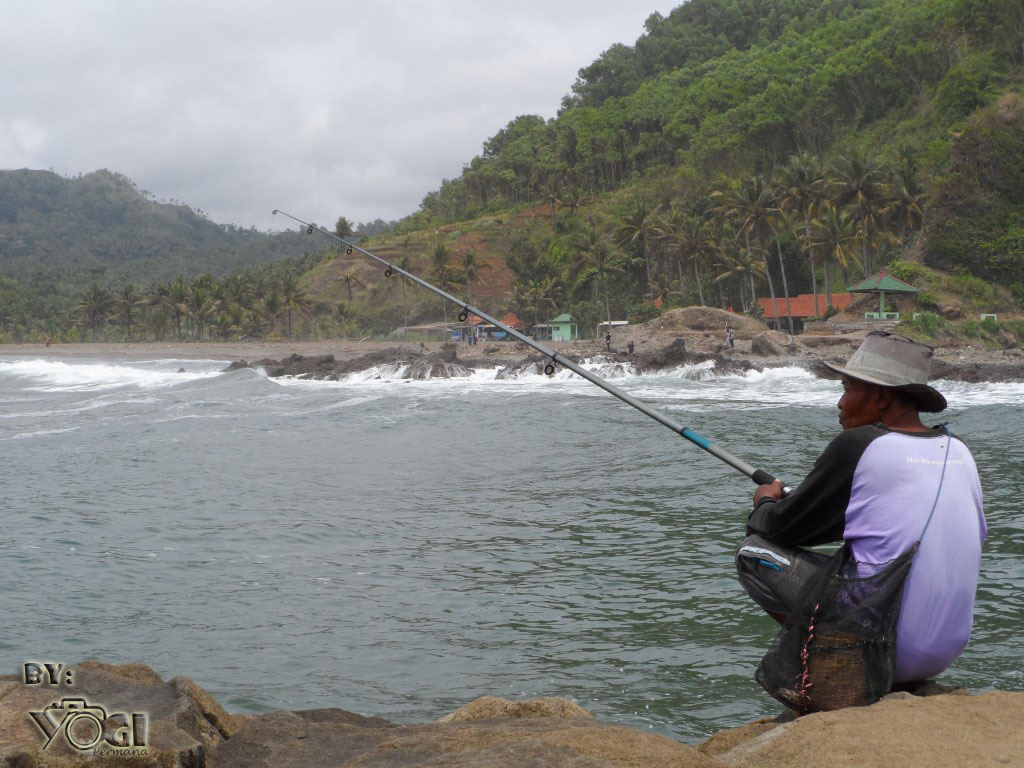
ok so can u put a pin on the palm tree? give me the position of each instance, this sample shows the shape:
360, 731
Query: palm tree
803, 193
549, 196
858, 183
441, 270
471, 266
904, 203
663, 288
270, 308
638, 228
552, 293
692, 240
95, 303
595, 258
779, 221
351, 277
293, 297
403, 263
749, 203
834, 237
741, 265
235, 288
127, 298
173, 301
572, 199
343, 228
200, 306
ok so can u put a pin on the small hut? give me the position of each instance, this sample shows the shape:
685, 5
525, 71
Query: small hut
882, 283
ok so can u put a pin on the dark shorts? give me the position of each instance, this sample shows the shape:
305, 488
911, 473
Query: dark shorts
773, 575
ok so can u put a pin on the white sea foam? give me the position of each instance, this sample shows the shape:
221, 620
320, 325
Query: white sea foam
961, 394
60, 376
39, 433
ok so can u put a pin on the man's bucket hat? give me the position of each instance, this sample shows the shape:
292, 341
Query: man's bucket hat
895, 361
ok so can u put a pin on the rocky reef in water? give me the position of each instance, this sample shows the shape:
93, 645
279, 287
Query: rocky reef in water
403, 363
143, 721
676, 338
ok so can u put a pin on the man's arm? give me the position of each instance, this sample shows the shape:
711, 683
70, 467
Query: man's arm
815, 512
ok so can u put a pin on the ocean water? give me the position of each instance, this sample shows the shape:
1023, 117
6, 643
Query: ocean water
401, 547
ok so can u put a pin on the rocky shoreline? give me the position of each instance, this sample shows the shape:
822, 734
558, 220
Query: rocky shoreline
767, 350
677, 337
142, 720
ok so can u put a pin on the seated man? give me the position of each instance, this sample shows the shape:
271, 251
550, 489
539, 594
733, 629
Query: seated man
877, 486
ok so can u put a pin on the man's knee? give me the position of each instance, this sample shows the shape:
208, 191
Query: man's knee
764, 572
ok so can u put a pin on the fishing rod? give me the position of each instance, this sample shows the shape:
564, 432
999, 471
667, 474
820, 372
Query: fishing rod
759, 476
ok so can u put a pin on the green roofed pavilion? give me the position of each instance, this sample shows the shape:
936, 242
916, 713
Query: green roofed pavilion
882, 283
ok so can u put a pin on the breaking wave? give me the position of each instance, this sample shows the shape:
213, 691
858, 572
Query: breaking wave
58, 376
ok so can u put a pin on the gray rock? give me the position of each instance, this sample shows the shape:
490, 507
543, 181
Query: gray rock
772, 344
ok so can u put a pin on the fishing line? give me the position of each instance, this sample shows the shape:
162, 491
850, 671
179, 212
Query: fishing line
759, 476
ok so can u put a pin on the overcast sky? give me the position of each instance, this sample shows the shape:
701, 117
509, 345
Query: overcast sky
318, 108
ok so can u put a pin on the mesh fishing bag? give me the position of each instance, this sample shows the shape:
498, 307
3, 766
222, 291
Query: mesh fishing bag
838, 649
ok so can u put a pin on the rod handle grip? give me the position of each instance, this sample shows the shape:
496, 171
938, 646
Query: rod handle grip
766, 478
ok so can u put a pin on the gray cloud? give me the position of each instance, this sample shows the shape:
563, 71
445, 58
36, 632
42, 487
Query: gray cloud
320, 108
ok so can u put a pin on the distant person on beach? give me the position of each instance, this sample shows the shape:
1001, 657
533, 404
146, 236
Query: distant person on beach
630, 347
47, 341
885, 482
608, 341
730, 336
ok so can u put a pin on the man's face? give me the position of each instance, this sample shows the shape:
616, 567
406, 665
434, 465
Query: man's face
860, 404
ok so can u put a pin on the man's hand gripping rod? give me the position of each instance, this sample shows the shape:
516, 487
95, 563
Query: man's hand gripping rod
759, 476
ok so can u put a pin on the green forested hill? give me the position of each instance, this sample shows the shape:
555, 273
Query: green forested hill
61, 237
101, 226
750, 147
736, 86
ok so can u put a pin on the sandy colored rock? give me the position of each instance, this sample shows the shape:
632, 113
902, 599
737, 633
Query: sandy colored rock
309, 740
178, 729
579, 742
323, 738
981, 731
494, 707
724, 741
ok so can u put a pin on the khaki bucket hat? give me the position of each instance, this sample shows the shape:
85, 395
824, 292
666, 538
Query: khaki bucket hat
891, 360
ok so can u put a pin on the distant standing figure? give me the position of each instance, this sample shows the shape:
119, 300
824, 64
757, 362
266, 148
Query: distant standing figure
630, 347
730, 336
608, 341
47, 341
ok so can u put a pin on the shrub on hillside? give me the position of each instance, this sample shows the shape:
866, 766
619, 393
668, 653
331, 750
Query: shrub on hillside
903, 270
928, 324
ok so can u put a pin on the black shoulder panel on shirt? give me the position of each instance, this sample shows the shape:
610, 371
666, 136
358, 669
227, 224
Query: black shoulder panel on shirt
815, 512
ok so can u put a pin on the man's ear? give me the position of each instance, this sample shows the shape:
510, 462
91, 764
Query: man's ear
883, 398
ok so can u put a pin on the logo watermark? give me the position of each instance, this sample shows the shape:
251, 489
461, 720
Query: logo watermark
84, 726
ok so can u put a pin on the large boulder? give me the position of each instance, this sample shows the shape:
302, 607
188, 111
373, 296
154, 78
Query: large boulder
671, 355
489, 732
705, 319
105, 714
902, 730
772, 344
